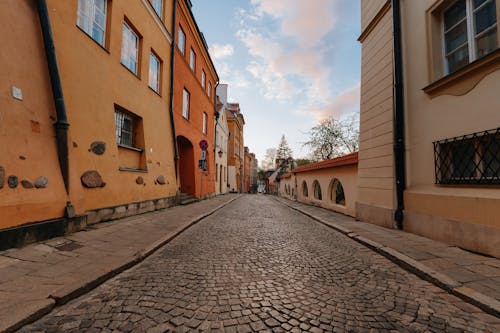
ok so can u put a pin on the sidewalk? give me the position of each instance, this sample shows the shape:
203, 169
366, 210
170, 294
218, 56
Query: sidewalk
40, 276
472, 277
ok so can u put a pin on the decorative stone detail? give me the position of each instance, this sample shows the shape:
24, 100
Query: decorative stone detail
13, 181
41, 182
139, 180
26, 184
2, 177
161, 180
98, 147
92, 179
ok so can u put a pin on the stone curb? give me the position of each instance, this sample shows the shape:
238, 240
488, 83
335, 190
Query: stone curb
68, 293
485, 303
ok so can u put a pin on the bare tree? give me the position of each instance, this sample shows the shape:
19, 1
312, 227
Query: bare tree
332, 138
268, 161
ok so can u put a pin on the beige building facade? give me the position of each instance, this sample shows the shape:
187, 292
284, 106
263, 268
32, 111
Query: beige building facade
450, 66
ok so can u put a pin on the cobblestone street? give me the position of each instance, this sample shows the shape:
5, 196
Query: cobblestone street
258, 266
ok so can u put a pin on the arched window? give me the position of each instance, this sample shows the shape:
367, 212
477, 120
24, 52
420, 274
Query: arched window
337, 192
305, 192
317, 190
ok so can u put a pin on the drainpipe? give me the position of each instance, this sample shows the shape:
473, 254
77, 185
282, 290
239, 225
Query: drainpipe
61, 126
172, 70
399, 123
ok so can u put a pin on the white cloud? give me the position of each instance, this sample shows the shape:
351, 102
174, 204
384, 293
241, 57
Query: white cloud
341, 105
218, 51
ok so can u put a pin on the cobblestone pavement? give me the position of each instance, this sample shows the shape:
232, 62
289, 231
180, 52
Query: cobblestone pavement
258, 266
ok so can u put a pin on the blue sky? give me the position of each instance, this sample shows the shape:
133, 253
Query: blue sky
289, 63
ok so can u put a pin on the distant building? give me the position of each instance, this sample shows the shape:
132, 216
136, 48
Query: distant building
221, 141
250, 172
429, 159
236, 153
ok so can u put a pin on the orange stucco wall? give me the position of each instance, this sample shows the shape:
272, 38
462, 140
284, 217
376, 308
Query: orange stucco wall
93, 81
27, 143
200, 102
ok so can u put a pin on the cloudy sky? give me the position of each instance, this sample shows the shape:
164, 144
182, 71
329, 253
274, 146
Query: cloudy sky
289, 63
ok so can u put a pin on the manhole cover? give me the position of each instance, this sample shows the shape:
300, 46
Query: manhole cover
69, 246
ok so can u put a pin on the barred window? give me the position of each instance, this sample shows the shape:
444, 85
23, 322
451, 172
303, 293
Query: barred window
317, 191
92, 18
305, 191
337, 192
125, 131
469, 159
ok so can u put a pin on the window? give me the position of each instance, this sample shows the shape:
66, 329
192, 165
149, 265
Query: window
125, 123
154, 72
92, 18
317, 190
470, 32
181, 41
185, 103
209, 92
205, 118
130, 48
158, 7
337, 192
470, 159
203, 79
305, 191
192, 60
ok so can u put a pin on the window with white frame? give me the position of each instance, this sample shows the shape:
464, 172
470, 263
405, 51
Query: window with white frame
209, 90
125, 132
203, 79
185, 103
92, 18
192, 60
154, 72
130, 48
181, 40
158, 7
205, 118
470, 32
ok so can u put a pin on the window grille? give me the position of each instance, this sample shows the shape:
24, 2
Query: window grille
124, 129
472, 159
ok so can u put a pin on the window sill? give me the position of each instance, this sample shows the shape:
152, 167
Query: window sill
156, 92
133, 170
464, 80
89, 36
130, 148
130, 71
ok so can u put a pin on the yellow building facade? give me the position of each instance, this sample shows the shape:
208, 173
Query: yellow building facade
114, 66
450, 79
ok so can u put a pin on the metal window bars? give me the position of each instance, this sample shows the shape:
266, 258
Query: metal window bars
472, 159
124, 129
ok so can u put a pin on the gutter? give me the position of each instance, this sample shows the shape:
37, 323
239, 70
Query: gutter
172, 70
61, 125
399, 121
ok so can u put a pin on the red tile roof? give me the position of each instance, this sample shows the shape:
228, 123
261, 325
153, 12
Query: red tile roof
286, 175
332, 163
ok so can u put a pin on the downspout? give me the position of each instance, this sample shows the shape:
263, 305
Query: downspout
172, 70
399, 122
61, 126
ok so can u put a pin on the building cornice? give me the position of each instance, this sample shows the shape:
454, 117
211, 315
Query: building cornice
376, 19
158, 21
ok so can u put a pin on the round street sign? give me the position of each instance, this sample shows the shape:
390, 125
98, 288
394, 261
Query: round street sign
203, 144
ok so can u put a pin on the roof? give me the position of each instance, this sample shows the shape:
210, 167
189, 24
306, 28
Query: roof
286, 175
350, 159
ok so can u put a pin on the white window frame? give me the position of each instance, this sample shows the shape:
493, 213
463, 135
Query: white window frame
120, 117
181, 40
471, 34
205, 123
158, 7
203, 79
87, 15
192, 59
128, 58
154, 83
186, 96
